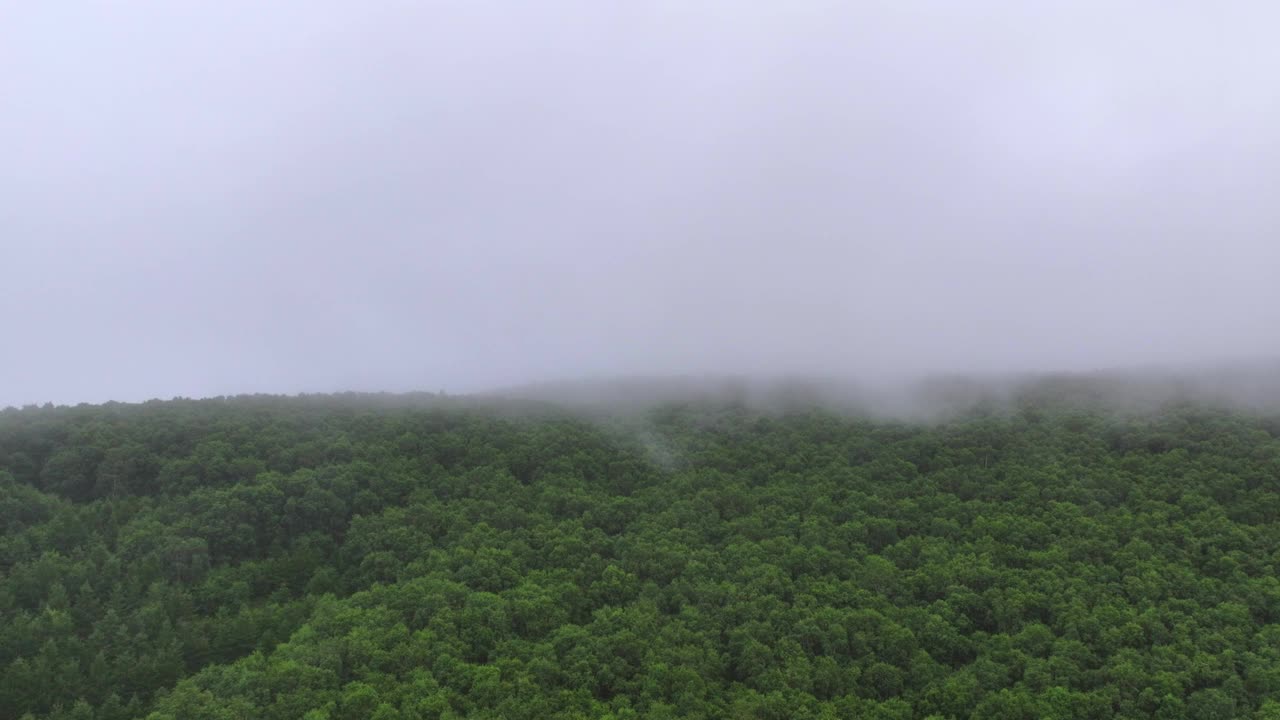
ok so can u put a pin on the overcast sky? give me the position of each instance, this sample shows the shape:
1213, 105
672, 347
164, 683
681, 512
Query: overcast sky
202, 198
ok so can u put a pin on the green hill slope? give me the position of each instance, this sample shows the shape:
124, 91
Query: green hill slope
353, 557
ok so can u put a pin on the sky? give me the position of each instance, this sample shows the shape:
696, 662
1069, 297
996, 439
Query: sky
202, 199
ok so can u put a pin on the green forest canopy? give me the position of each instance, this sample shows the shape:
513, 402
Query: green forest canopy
412, 557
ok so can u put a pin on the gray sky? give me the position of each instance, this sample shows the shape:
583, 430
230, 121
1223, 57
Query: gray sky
202, 198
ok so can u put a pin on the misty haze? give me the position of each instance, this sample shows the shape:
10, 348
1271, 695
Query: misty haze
910, 360
309, 197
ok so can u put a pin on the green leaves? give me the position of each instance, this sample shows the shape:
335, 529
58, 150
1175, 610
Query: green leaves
284, 559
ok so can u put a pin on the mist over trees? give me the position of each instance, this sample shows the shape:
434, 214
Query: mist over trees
1055, 555
783, 222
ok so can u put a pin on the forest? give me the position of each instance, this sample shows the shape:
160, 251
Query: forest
347, 557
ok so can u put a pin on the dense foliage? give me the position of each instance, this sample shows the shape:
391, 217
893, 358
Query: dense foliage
350, 558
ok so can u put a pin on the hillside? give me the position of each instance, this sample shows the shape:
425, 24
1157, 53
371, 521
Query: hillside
1037, 553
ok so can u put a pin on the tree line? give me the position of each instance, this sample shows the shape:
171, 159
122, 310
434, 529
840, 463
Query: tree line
353, 557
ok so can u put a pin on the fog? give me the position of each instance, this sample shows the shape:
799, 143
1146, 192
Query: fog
213, 198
